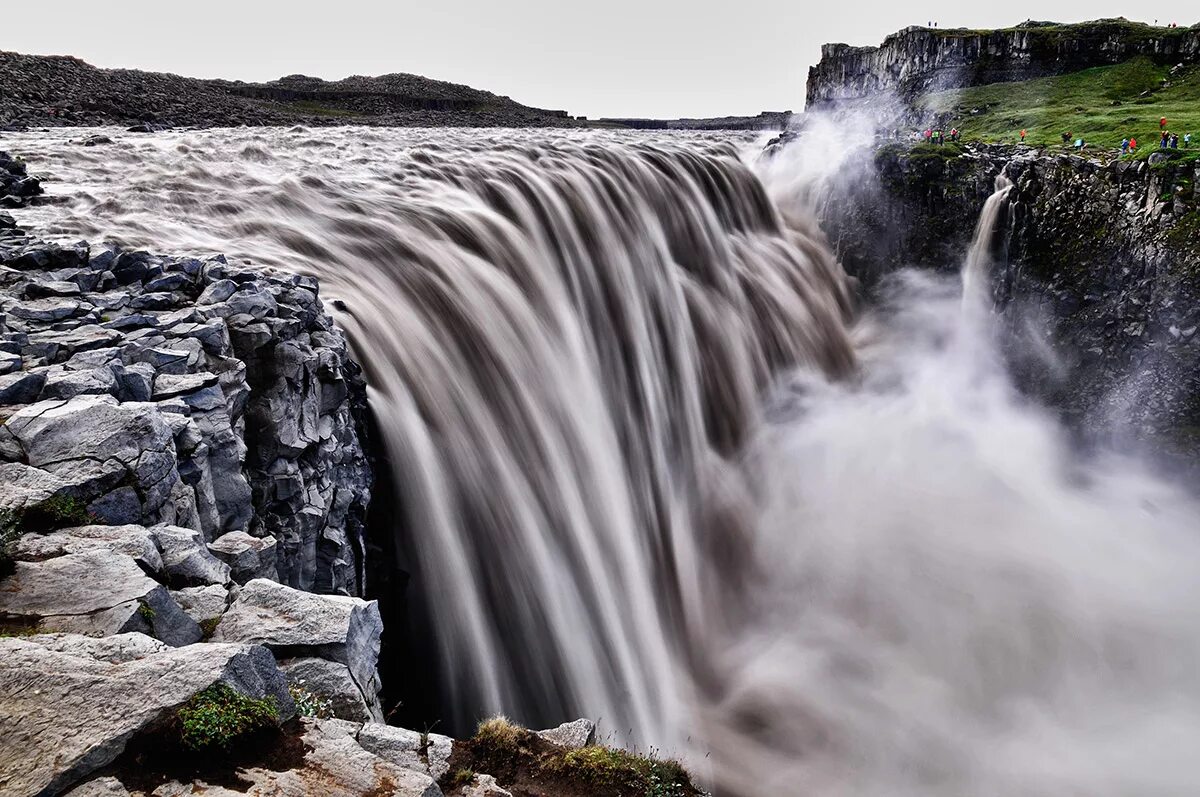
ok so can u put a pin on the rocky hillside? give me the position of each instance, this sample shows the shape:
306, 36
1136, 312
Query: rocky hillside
918, 60
61, 91
1100, 261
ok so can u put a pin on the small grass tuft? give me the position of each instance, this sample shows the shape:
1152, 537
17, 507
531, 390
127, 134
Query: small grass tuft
217, 716
146, 611
461, 777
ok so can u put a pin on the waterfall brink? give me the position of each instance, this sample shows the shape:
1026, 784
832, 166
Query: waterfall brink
563, 361
612, 383
977, 270
565, 345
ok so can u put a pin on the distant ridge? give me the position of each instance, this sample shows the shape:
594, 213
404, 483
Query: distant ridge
37, 90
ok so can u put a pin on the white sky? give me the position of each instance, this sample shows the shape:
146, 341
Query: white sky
663, 58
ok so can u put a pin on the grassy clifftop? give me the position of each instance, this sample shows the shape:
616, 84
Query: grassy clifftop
1101, 105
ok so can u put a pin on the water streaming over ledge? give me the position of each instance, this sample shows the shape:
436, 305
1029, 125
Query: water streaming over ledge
657, 475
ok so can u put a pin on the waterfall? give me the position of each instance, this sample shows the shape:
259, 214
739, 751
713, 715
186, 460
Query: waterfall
656, 474
977, 269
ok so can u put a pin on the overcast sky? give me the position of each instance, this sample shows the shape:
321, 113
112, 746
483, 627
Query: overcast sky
665, 58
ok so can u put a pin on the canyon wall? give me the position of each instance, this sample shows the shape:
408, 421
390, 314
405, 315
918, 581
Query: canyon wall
917, 60
1098, 273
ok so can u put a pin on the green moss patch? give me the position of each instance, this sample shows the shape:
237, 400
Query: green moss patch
218, 716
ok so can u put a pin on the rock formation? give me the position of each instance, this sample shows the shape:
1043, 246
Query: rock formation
917, 59
1100, 257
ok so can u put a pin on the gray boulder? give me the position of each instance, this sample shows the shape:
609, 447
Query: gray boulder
333, 627
248, 557
65, 715
187, 561
332, 681
484, 786
428, 753
202, 603
579, 733
96, 593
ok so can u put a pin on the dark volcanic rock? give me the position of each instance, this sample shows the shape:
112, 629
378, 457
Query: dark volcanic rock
60, 92
1101, 261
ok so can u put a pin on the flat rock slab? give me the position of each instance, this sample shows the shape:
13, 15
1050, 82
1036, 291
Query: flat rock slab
428, 753
291, 622
66, 715
96, 593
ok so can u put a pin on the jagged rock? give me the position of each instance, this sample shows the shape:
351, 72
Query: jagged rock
248, 557
65, 716
427, 753
96, 593
95, 443
130, 540
24, 486
187, 562
21, 387
332, 681
579, 733
334, 627
202, 603
484, 786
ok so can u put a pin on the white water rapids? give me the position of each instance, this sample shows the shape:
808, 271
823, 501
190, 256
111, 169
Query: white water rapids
658, 474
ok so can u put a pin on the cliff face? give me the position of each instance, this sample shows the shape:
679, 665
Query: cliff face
917, 60
1099, 262
138, 389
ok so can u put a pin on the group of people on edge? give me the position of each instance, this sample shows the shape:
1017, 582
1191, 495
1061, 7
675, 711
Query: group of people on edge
939, 137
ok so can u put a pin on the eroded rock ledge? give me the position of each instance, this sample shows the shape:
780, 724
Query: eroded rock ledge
144, 389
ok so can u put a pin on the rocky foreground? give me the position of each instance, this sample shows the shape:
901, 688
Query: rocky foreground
183, 487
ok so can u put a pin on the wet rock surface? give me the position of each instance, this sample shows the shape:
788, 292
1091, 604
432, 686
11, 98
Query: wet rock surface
1098, 266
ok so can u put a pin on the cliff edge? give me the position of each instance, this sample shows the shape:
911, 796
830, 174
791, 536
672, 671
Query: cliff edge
918, 60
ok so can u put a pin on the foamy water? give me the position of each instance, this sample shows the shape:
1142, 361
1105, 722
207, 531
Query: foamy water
658, 472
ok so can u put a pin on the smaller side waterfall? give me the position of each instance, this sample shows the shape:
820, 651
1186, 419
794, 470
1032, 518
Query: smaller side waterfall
977, 269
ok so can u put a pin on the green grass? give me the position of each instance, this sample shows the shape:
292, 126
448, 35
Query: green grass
1101, 105
216, 717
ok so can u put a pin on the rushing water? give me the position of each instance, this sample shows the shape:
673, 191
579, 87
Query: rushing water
657, 473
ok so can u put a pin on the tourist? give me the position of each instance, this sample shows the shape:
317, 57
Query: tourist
1124, 146
1133, 145
1066, 138
928, 135
1162, 140
1022, 136
1162, 123
1174, 141
1187, 140
1079, 144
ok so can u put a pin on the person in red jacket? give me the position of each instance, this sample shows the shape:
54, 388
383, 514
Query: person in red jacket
1162, 123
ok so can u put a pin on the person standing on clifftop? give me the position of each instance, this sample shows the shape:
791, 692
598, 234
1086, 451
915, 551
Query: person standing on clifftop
1162, 123
1187, 140
1022, 136
1124, 146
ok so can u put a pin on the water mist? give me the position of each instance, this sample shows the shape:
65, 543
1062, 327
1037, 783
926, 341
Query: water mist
658, 476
